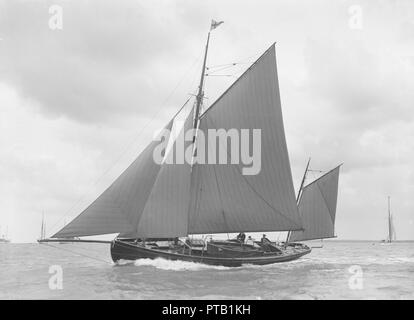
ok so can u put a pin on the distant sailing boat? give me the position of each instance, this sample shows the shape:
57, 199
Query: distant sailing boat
42, 237
154, 208
3, 237
42, 229
391, 230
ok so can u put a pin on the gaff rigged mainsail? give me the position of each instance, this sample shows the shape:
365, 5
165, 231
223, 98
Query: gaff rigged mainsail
227, 200
317, 207
169, 200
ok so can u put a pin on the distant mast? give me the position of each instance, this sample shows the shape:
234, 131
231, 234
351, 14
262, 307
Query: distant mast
43, 228
391, 231
389, 222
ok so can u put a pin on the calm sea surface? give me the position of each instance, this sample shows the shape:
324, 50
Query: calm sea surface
339, 270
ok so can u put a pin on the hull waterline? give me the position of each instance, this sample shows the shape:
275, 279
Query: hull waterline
122, 250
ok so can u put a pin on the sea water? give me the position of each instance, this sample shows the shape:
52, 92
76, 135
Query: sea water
339, 270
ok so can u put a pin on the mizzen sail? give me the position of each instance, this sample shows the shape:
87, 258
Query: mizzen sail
317, 207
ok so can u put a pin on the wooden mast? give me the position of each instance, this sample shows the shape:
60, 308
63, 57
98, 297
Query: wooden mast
197, 112
300, 191
200, 94
42, 229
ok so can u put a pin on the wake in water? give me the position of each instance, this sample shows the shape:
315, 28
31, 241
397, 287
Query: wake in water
314, 262
170, 265
165, 264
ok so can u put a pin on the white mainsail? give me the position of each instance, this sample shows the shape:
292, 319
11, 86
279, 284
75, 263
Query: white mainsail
317, 207
391, 228
393, 233
170, 200
43, 228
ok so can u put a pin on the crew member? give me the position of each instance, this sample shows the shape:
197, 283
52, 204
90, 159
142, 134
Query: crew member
241, 236
264, 239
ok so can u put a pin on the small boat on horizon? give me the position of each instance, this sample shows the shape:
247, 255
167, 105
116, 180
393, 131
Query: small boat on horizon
391, 229
43, 238
42, 230
3, 237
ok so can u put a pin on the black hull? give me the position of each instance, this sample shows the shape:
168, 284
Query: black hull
122, 250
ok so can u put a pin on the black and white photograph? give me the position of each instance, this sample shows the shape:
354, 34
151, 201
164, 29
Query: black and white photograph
218, 151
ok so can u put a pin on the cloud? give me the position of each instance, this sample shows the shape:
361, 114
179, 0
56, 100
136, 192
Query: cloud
364, 86
355, 100
106, 60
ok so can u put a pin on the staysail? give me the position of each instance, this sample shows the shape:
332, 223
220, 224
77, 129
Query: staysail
227, 200
317, 207
165, 213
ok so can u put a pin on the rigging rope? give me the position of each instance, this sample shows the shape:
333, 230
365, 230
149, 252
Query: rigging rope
74, 252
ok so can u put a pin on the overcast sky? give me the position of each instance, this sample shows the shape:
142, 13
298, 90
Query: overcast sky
78, 104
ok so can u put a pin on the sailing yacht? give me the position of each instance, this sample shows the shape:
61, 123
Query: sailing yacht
42, 230
157, 208
4, 238
43, 238
391, 229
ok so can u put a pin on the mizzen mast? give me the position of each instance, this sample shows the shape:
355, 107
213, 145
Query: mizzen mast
300, 192
42, 229
303, 181
389, 222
